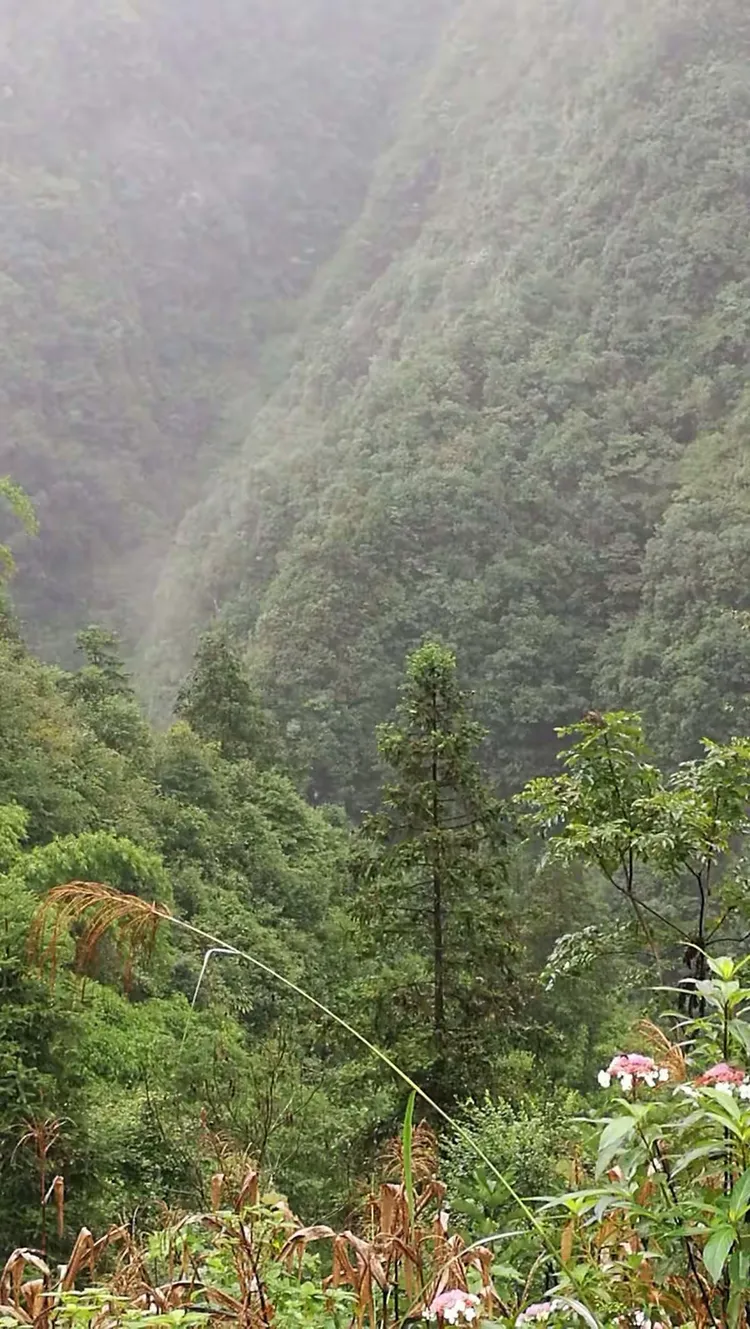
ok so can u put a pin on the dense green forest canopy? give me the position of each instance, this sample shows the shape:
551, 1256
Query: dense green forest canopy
517, 418
379, 372
253, 1042
204, 820
173, 173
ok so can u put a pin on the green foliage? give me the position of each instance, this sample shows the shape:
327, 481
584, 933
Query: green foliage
219, 703
105, 697
664, 842
161, 1090
431, 868
671, 1172
530, 1135
23, 510
518, 422
13, 823
128, 1069
96, 856
51, 763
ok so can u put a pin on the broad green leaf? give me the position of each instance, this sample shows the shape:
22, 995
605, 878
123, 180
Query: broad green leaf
505, 1273
721, 965
740, 1197
721, 1105
717, 1249
740, 1029
613, 1136
712, 1150
406, 1154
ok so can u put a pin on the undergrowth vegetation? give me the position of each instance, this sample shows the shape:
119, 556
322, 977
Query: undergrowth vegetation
261, 1065
653, 1231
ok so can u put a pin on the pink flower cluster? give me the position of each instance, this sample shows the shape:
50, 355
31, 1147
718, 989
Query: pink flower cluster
721, 1074
725, 1077
630, 1068
538, 1311
452, 1306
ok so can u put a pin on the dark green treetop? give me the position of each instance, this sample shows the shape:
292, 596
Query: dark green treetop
435, 872
219, 703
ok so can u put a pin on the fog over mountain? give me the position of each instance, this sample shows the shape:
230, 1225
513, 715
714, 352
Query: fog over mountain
174, 174
346, 324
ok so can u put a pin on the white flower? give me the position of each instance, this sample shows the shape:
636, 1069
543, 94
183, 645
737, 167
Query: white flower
650, 1080
452, 1307
687, 1090
724, 1088
664, 1074
605, 1079
744, 1090
626, 1082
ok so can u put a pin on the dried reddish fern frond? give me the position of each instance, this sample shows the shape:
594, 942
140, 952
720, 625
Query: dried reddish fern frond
98, 909
424, 1159
35, 1301
668, 1053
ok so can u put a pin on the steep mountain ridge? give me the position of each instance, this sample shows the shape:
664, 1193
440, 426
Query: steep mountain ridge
173, 174
513, 373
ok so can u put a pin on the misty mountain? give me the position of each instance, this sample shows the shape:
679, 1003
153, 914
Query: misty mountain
173, 174
352, 332
346, 325
517, 417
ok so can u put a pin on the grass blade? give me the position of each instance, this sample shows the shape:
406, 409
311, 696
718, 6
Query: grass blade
406, 1148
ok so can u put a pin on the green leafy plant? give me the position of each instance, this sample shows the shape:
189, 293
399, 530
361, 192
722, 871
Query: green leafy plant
23, 510
613, 809
662, 1230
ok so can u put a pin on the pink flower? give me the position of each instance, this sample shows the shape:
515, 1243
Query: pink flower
452, 1306
538, 1310
721, 1074
628, 1067
632, 1063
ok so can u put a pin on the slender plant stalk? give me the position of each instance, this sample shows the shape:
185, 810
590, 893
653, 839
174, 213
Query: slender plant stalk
406, 1156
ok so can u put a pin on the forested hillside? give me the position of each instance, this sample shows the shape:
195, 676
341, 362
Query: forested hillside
380, 373
219, 1008
518, 417
172, 176
134, 1075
